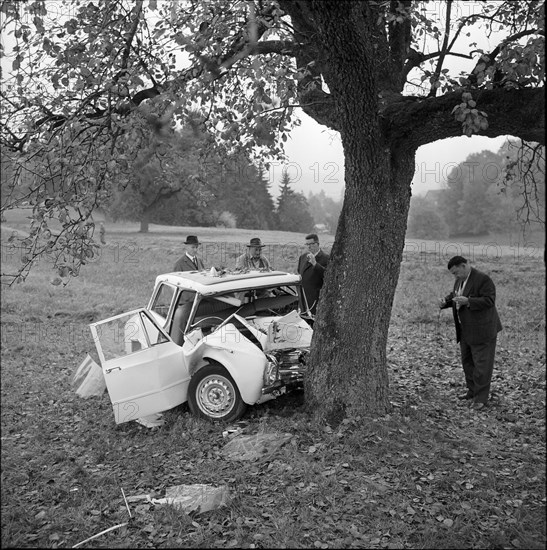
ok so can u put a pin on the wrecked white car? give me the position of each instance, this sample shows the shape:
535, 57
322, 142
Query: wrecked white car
219, 342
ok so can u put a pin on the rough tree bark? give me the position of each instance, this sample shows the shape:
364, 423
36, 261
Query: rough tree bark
348, 360
367, 254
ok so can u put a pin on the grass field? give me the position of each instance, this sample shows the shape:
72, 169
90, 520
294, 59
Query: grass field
431, 474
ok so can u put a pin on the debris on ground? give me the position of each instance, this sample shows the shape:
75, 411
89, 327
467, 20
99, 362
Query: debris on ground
237, 429
254, 447
88, 379
151, 421
195, 498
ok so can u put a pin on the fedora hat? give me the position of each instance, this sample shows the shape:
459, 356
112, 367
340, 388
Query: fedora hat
256, 242
191, 239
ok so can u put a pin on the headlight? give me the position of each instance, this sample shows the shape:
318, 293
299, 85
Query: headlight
271, 371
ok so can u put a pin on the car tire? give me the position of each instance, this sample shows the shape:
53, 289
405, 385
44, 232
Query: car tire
213, 394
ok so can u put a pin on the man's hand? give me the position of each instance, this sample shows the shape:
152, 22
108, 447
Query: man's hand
460, 301
311, 259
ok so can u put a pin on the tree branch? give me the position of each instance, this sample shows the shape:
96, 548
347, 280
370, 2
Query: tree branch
489, 59
244, 44
130, 36
399, 35
415, 59
315, 102
281, 47
412, 122
444, 48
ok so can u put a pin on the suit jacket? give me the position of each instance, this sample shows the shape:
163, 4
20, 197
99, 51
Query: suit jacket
185, 264
478, 321
312, 277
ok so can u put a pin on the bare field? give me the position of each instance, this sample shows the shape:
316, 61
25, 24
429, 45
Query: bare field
431, 474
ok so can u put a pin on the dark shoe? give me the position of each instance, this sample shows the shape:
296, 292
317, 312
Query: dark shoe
465, 396
478, 406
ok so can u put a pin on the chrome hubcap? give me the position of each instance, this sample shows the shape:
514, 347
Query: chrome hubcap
215, 396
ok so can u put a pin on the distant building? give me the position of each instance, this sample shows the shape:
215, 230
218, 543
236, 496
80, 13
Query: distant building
320, 228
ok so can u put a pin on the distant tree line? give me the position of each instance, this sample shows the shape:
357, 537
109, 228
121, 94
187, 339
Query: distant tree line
173, 177
173, 180
325, 210
487, 193
176, 180
169, 181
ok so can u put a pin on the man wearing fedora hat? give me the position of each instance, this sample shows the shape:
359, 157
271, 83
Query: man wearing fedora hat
253, 258
190, 260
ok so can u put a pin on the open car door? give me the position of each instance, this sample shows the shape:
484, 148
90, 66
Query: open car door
144, 369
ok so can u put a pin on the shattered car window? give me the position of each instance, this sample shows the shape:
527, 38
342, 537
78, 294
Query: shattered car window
155, 336
163, 300
127, 334
268, 301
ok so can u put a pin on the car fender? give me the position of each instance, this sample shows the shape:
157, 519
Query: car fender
244, 361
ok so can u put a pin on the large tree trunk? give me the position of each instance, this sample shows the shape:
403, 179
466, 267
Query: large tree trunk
348, 369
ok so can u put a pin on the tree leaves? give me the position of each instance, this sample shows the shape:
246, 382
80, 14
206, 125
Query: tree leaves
99, 68
471, 118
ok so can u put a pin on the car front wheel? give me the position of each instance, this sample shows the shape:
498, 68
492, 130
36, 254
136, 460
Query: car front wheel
213, 394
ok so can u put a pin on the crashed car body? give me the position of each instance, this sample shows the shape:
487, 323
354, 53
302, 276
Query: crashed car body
219, 342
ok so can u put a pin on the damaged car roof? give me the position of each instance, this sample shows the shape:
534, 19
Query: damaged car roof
205, 283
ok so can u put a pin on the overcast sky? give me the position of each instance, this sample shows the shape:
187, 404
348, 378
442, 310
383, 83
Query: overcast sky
316, 160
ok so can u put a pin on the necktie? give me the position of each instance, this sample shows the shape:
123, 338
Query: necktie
195, 260
459, 292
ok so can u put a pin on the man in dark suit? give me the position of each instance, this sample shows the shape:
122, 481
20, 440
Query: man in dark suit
473, 303
311, 266
190, 260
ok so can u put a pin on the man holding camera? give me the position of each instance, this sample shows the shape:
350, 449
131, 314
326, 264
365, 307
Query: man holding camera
473, 303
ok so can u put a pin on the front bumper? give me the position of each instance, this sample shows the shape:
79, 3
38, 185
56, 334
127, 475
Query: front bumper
287, 383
